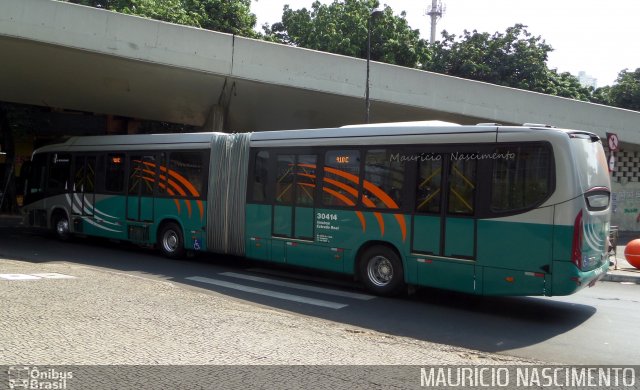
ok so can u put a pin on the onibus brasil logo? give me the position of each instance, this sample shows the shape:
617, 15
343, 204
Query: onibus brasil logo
32, 377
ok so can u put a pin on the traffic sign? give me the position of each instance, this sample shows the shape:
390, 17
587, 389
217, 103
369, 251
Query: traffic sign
613, 141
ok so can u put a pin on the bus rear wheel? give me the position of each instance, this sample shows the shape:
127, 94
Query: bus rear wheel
60, 224
381, 271
170, 241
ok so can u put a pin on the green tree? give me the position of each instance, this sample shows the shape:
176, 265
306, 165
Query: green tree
625, 93
515, 58
566, 85
602, 95
341, 27
230, 16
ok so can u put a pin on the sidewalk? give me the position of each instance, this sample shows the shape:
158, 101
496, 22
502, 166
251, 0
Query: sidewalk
625, 272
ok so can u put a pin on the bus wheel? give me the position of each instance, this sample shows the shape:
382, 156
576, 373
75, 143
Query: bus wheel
60, 224
381, 271
170, 241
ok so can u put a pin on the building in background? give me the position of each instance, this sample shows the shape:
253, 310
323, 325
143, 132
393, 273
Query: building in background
587, 80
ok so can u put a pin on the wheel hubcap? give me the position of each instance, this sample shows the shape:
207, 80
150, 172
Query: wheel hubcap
170, 241
380, 271
62, 227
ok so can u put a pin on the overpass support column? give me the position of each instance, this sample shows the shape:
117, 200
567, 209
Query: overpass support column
215, 119
218, 113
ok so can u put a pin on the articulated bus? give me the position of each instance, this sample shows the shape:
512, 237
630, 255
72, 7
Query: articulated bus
486, 209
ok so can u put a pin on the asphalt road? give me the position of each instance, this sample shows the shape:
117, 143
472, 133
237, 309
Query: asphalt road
595, 326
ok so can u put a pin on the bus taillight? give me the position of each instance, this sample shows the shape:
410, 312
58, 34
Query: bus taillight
576, 249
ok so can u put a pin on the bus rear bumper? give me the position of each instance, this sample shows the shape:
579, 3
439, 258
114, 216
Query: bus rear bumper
568, 279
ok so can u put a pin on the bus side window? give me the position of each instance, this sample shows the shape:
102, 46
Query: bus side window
260, 176
384, 179
341, 183
185, 176
305, 179
462, 186
429, 185
521, 177
142, 174
114, 178
284, 180
59, 173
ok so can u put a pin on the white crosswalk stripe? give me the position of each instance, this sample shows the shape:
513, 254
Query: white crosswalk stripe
269, 293
299, 286
36, 276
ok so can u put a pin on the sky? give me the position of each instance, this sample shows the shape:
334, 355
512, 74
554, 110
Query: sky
595, 36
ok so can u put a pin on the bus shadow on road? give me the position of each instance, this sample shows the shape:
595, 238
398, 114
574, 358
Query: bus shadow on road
490, 324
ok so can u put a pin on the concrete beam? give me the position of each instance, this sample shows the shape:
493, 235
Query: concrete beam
102, 61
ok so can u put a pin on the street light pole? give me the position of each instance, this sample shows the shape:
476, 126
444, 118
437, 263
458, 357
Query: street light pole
373, 13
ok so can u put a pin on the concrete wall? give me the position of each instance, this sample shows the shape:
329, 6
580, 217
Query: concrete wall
625, 183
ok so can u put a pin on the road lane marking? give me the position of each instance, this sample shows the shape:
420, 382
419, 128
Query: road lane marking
269, 293
298, 286
36, 276
18, 277
54, 275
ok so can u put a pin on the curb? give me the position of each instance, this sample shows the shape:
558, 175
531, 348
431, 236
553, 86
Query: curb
621, 278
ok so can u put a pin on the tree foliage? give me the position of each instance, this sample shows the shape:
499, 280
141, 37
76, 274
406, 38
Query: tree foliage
515, 58
341, 27
625, 93
232, 17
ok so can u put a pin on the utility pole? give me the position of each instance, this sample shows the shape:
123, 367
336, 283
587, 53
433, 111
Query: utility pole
435, 12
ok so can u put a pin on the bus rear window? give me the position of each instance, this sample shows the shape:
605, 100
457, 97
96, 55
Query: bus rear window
591, 163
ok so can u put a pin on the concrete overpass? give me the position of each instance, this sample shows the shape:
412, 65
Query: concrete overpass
73, 57
68, 56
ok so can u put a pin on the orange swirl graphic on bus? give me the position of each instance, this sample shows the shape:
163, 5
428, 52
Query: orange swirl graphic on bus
348, 195
172, 182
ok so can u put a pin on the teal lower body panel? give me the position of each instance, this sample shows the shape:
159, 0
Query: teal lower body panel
314, 256
426, 234
568, 279
108, 219
282, 220
447, 274
460, 237
500, 281
303, 223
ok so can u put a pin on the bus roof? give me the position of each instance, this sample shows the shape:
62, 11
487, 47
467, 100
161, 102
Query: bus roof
352, 131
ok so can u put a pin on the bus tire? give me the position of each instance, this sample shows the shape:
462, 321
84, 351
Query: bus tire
380, 269
60, 225
171, 241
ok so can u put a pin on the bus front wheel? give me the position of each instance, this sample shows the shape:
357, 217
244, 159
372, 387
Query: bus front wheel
170, 241
60, 224
381, 271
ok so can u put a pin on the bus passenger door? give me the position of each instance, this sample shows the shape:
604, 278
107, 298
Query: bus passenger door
293, 211
142, 178
460, 224
427, 221
444, 226
83, 191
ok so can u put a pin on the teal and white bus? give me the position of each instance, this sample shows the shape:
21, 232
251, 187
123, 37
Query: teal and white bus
486, 209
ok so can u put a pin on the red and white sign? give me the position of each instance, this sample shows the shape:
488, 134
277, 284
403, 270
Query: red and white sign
613, 141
